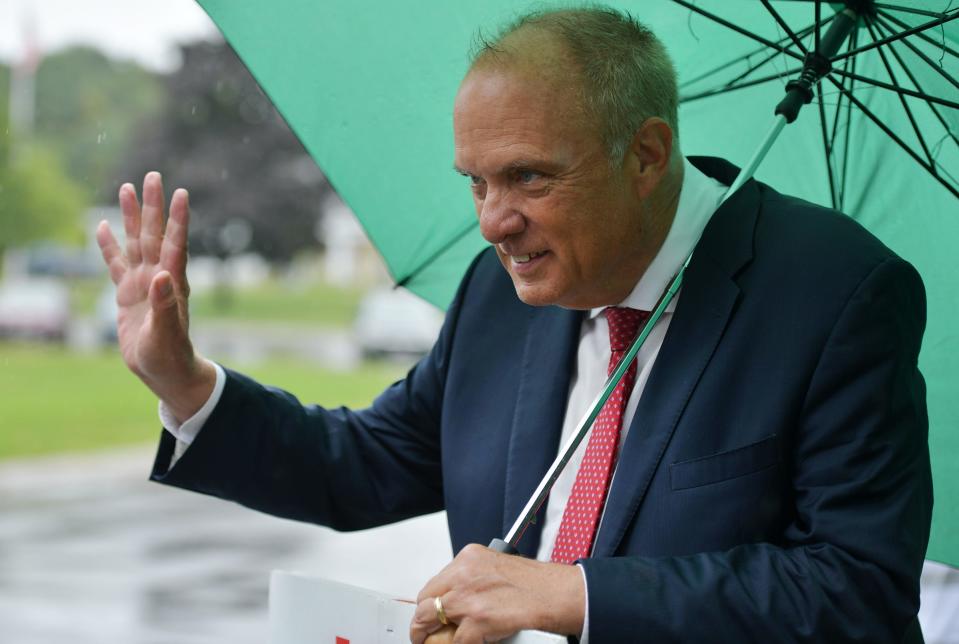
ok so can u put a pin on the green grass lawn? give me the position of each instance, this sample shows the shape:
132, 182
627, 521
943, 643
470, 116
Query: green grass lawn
53, 400
317, 304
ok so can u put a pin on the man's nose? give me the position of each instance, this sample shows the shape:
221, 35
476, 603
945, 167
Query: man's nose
499, 219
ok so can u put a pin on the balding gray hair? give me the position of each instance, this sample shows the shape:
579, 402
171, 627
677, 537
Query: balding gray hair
627, 76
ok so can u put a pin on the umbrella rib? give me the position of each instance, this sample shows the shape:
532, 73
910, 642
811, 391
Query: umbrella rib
847, 136
892, 135
738, 29
802, 33
403, 281
727, 65
835, 120
765, 60
929, 61
920, 12
880, 24
902, 99
942, 45
904, 91
827, 148
900, 36
730, 88
837, 191
782, 23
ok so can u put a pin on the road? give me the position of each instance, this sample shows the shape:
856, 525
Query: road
92, 553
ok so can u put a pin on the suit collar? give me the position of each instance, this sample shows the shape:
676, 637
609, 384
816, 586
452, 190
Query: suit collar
549, 358
727, 240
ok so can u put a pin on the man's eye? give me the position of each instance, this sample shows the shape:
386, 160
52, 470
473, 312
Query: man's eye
527, 176
474, 180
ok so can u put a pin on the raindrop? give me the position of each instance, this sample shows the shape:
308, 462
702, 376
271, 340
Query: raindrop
193, 109
224, 174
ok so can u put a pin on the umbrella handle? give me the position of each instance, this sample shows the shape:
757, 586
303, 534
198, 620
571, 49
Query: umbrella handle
442, 636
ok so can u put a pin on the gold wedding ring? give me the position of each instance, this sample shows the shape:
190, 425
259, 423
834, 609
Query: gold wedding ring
440, 613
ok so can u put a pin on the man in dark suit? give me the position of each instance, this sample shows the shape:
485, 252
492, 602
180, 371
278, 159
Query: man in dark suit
771, 471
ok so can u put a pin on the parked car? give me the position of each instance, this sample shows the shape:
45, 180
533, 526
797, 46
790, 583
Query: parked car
56, 260
34, 309
105, 316
396, 322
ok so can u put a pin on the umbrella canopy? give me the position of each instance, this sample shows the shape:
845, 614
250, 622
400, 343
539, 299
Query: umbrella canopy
369, 90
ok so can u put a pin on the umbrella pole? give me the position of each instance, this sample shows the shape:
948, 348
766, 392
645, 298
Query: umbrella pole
750, 168
529, 512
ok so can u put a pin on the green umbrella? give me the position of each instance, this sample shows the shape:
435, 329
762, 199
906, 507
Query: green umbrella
369, 90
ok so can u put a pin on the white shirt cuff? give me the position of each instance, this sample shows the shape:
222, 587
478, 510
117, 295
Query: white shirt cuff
584, 638
186, 432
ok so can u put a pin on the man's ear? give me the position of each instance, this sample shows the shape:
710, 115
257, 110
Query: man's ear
649, 155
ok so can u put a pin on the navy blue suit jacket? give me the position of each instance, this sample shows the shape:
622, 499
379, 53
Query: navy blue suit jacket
775, 482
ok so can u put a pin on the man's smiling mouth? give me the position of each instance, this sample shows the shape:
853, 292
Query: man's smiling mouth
522, 259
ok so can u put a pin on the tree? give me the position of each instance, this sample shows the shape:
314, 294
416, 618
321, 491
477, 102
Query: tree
88, 107
37, 200
219, 136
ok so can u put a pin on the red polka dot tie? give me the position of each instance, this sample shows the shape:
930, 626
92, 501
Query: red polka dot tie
581, 516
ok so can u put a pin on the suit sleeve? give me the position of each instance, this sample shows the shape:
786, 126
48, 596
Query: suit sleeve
847, 567
342, 468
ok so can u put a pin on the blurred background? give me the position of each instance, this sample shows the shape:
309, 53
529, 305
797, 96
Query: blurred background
286, 288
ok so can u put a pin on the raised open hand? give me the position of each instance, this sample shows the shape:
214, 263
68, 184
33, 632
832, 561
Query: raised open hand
152, 293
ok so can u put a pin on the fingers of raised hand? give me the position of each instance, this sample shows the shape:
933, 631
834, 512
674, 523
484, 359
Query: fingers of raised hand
130, 208
112, 254
151, 225
173, 251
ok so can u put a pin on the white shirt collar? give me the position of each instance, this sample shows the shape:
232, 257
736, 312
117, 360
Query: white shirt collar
698, 199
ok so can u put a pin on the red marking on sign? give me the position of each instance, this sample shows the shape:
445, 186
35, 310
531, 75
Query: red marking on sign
342, 640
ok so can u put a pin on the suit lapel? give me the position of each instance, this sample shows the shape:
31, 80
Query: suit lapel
548, 360
706, 302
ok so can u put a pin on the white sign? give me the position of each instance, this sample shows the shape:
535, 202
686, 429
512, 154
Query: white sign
311, 610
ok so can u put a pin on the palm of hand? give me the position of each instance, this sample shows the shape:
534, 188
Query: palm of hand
150, 276
135, 327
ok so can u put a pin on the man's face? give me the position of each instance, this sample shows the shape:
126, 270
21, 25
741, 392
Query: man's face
565, 225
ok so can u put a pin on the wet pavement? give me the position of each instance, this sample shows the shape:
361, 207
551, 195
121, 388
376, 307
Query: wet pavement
91, 552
